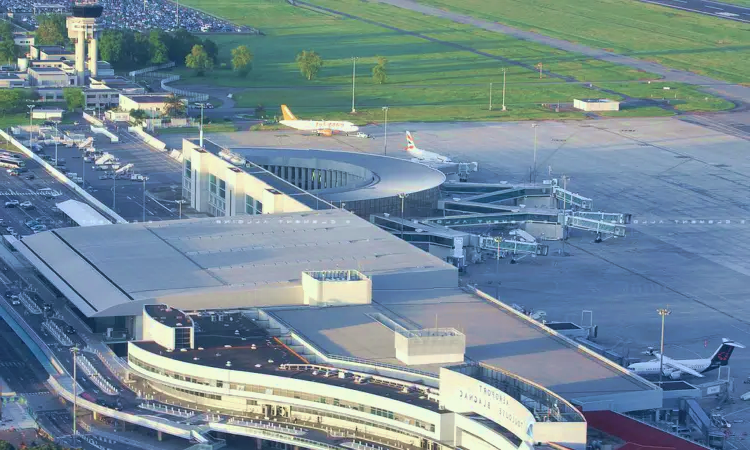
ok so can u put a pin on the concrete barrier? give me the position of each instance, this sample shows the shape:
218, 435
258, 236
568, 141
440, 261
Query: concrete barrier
148, 139
176, 155
92, 120
62, 178
101, 130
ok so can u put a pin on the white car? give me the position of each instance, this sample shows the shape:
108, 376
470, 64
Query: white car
11, 203
26, 205
363, 135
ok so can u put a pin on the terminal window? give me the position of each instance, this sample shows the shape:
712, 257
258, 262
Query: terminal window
188, 168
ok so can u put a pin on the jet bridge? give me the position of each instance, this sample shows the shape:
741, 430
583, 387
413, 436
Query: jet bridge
511, 194
600, 227
500, 218
604, 216
571, 198
512, 247
86, 143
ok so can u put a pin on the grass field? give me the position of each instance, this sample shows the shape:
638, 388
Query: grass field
706, 45
12, 120
427, 80
219, 127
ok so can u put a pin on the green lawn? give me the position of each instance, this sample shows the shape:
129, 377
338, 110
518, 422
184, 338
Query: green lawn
219, 127
737, 2
12, 120
711, 46
427, 80
682, 97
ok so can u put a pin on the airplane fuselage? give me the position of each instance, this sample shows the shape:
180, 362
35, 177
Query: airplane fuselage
320, 125
424, 155
652, 367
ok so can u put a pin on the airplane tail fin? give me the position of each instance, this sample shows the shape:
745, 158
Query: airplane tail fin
287, 113
410, 142
723, 353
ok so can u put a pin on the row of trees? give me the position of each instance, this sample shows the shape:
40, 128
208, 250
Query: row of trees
201, 61
14, 101
8, 48
127, 49
310, 63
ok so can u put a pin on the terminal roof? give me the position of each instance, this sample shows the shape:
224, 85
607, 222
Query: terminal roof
197, 263
495, 335
168, 316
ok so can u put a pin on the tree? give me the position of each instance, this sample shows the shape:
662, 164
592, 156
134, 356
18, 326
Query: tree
138, 116
309, 63
139, 49
379, 71
8, 50
15, 100
112, 47
157, 47
174, 106
52, 30
74, 98
212, 50
198, 59
242, 59
6, 446
180, 43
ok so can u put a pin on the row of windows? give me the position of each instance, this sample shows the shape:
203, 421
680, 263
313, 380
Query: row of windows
199, 394
188, 168
253, 206
217, 186
288, 394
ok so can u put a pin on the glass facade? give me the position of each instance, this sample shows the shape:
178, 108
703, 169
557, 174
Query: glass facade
217, 190
253, 206
311, 397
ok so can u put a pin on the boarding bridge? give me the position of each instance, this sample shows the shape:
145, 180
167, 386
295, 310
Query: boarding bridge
571, 198
511, 194
461, 207
513, 247
526, 215
604, 216
453, 187
124, 169
86, 143
598, 226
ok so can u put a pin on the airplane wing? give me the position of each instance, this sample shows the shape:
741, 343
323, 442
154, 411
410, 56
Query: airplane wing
677, 366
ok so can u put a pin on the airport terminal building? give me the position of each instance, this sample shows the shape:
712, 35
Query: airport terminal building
290, 319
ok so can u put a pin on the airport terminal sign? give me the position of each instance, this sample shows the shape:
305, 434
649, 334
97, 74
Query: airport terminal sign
463, 394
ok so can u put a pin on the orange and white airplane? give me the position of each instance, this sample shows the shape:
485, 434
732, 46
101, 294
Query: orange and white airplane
423, 155
324, 127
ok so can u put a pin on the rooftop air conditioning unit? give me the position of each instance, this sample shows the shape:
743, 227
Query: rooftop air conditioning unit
229, 364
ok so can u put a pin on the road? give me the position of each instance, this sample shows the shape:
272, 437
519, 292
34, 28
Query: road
735, 93
707, 7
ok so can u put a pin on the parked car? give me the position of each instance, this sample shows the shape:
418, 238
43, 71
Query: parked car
14, 172
47, 307
31, 223
70, 330
30, 176
8, 294
38, 228
10, 229
363, 135
27, 205
15, 301
12, 203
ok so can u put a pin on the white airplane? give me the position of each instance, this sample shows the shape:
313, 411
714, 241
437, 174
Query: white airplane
696, 367
324, 127
423, 155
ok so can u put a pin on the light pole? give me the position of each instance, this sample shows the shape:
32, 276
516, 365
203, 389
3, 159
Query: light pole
74, 351
180, 202
385, 139
490, 96
144, 198
200, 140
354, 75
402, 196
504, 70
663, 312
565, 207
31, 118
57, 139
534, 126
178, 14
114, 191
498, 240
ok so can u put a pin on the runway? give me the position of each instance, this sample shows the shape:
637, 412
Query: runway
708, 7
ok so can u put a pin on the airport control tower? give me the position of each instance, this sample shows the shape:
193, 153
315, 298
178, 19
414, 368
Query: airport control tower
82, 27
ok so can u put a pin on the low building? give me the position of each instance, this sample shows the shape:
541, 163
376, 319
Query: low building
47, 113
102, 98
120, 84
50, 76
596, 104
51, 53
153, 104
23, 39
11, 80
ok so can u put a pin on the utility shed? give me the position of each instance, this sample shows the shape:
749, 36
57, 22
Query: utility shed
596, 104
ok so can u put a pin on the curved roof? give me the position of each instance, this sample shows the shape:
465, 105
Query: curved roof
392, 176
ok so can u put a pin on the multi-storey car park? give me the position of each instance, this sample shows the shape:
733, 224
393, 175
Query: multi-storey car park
299, 322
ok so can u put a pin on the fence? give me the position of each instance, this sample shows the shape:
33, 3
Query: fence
92, 120
151, 69
62, 178
195, 96
101, 130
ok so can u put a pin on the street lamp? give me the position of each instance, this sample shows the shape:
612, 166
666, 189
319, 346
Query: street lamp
663, 312
354, 74
385, 141
31, 118
144, 198
57, 139
200, 139
74, 351
534, 126
181, 202
114, 191
504, 70
402, 196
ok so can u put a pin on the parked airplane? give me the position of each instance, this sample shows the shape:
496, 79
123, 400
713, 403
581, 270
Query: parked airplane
324, 127
696, 367
423, 155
